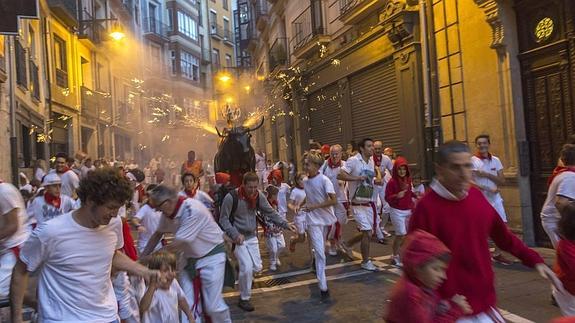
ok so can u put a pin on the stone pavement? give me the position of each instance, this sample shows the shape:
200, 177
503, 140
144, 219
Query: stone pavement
291, 294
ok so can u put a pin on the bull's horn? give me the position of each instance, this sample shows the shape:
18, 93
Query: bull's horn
219, 134
259, 126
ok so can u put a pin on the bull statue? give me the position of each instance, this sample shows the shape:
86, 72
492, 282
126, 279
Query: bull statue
235, 154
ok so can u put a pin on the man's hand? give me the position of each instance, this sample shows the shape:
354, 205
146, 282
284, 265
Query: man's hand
240, 239
461, 301
548, 274
153, 276
361, 178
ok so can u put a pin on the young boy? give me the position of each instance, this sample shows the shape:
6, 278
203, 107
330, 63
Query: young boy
275, 240
414, 297
164, 299
191, 189
147, 221
51, 204
296, 200
565, 263
399, 195
320, 199
276, 179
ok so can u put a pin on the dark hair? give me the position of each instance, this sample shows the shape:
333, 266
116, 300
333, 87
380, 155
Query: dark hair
250, 177
483, 136
448, 148
62, 155
361, 144
36, 183
160, 258
272, 190
567, 222
184, 175
70, 160
568, 154
104, 185
138, 174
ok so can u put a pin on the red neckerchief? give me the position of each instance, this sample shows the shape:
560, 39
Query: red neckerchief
191, 194
50, 199
141, 193
332, 165
250, 200
65, 170
181, 200
480, 156
377, 160
274, 204
558, 170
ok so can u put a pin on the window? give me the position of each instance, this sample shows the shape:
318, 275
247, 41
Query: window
227, 31
32, 42
187, 25
213, 22
216, 57
156, 58
60, 53
190, 66
152, 11
228, 60
170, 19
174, 63
225, 4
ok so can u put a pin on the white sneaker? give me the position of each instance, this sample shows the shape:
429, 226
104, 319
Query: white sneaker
369, 266
273, 267
332, 251
278, 263
396, 261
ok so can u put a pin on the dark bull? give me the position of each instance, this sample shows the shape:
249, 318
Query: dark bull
235, 153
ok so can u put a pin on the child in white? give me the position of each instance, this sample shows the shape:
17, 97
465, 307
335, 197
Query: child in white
146, 221
164, 299
296, 200
320, 199
50, 204
275, 240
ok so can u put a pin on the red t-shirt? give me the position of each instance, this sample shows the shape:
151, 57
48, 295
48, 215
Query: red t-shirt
565, 264
464, 227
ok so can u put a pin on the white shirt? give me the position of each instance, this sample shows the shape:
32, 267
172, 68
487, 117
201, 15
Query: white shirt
261, 162
42, 211
39, 174
202, 197
195, 227
356, 166
75, 263
85, 170
282, 199
562, 185
10, 198
386, 168
340, 186
317, 189
70, 182
491, 166
164, 305
298, 197
149, 219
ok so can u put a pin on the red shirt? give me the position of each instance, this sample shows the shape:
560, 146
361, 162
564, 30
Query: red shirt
464, 227
565, 264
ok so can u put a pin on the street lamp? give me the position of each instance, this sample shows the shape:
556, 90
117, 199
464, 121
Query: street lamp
224, 78
117, 32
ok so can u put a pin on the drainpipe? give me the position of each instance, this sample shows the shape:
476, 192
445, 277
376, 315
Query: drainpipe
13, 139
48, 87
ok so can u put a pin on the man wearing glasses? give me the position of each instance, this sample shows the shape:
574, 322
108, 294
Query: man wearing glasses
200, 240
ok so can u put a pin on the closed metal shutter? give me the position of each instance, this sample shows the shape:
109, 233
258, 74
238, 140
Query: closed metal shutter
325, 115
374, 105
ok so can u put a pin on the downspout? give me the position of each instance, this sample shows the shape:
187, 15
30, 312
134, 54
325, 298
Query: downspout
430, 143
12, 98
46, 32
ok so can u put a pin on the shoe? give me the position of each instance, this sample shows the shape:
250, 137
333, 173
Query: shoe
382, 241
332, 251
396, 261
324, 295
386, 234
246, 305
500, 258
369, 266
273, 267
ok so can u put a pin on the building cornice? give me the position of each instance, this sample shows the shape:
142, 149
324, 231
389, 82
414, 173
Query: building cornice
492, 10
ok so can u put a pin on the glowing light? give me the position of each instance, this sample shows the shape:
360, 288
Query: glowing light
117, 35
229, 100
225, 78
247, 88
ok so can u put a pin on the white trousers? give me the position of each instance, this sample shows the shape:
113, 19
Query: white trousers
317, 235
490, 316
7, 263
250, 261
275, 244
262, 175
566, 302
551, 227
211, 270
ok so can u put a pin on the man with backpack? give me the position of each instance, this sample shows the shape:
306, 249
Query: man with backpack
238, 218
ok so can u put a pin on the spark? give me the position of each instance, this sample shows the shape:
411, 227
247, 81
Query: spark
166, 137
335, 62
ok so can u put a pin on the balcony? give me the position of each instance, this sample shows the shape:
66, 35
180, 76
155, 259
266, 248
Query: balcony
216, 31
95, 105
261, 13
308, 31
278, 54
353, 11
61, 78
34, 81
91, 29
66, 10
155, 30
228, 38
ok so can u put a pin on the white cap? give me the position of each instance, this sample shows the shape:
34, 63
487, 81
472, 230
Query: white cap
131, 177
51, 179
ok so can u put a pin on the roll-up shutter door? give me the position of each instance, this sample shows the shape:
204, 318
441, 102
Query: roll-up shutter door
325, 115
374, 105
